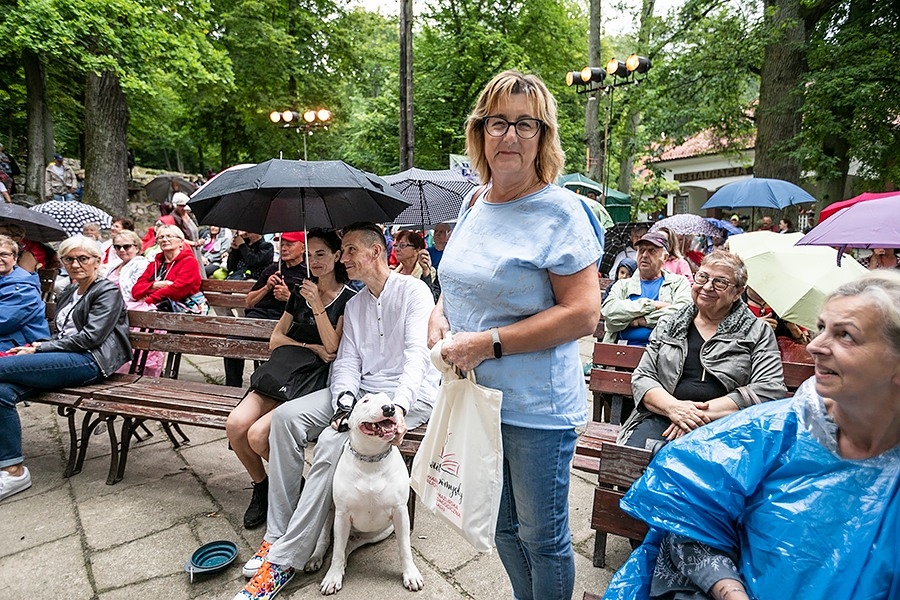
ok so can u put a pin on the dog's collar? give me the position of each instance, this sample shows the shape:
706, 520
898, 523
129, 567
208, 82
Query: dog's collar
370, 458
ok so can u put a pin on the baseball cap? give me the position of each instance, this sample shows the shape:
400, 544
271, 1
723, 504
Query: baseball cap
735, 218
657, 239
293, 236
180, 199
57, 156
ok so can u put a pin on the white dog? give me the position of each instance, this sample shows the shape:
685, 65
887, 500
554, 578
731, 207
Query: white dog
371, 489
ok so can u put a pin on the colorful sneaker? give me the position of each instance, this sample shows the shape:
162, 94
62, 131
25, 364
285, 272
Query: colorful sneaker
10, 485
267, 582
256, 561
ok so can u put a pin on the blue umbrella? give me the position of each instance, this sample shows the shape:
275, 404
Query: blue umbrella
726, 225
758, 192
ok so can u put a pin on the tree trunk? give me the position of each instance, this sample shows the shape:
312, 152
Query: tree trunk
593, 135
106, 155
36, 108
833, 187
778, 117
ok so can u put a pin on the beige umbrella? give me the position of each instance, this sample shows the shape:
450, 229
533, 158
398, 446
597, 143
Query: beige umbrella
793, 280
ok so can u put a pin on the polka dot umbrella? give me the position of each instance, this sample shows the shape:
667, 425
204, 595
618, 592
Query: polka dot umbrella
72, 216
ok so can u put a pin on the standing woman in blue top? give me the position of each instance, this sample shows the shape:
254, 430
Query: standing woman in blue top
517, 297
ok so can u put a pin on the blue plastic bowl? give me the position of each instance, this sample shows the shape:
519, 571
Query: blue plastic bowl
211, 557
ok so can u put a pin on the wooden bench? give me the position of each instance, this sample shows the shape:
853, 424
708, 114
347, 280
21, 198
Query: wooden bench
616, 466
226, 296
135, 398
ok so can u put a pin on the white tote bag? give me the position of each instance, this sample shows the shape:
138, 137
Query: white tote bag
458, 469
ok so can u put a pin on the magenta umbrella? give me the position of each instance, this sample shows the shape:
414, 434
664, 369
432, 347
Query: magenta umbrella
870, 224
864, 197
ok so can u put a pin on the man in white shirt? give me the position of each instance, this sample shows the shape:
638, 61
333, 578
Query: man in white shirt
383, 349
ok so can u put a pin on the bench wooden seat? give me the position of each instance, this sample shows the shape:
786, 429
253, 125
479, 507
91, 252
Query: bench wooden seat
135, 398
616, 466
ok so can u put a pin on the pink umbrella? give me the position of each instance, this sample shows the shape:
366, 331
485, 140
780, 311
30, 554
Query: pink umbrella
869, 224
836, 206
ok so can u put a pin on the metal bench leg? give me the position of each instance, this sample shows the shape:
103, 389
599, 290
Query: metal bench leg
119, 457
69, 413
147, 432
169, 427
88, 424
600, 549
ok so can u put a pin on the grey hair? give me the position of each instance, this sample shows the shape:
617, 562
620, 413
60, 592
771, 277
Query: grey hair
882, 290
79, 242
8, 242
727, 260
170, 230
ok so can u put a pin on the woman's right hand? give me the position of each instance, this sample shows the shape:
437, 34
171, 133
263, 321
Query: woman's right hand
322, 353
160, 284
688, 415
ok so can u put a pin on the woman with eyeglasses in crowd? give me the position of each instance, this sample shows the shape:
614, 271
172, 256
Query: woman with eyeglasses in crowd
91, 343
707, 360
414, 260
174, 273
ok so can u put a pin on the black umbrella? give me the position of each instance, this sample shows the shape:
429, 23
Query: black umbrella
436, 196
160, 187
294, 195
73, 216
38, 226
617, 239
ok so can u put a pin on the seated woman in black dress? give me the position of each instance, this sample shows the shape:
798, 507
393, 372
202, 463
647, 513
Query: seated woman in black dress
304, 343
709, 359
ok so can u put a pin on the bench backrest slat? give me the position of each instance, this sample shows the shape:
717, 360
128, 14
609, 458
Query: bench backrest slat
617, 355
622, 465
610, 382
205, 324
226, 286
203, 345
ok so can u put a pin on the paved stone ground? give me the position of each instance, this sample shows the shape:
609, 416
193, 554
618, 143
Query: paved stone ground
78, 538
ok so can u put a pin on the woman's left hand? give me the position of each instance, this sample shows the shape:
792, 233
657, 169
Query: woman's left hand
468, 350
23, 350
160, 284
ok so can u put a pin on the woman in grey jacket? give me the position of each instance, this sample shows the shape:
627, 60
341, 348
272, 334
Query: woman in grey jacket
705, 361
91, 344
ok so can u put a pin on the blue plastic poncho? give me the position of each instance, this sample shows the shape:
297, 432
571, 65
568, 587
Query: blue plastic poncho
768, 483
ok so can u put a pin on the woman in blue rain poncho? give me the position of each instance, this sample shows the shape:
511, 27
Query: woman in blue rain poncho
798, 498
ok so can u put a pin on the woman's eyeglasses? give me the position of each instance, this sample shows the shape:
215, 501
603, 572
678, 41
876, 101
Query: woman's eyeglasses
118, 247
719, 284
525, 128
6, 255
81, 260
166, 237
402, 246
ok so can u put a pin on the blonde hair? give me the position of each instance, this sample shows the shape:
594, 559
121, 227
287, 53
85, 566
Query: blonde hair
550, 158
133, 238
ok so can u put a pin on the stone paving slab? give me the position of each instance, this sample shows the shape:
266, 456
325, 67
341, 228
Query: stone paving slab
131, 540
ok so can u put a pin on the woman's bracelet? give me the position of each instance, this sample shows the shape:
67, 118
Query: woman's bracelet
319, 314
728, 591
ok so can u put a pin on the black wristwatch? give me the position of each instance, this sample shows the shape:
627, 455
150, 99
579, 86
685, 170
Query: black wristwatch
498, 347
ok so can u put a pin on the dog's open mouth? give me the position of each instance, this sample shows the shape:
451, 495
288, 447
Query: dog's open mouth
381, 429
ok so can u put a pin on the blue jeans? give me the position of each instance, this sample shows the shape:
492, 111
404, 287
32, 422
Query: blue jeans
22, 376
533, 537
67, 197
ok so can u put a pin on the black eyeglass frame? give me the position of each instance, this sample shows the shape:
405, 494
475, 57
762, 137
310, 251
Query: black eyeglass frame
514, 124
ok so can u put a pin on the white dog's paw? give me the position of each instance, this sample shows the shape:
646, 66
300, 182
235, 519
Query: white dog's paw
333, 582
412, 579
313, 564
